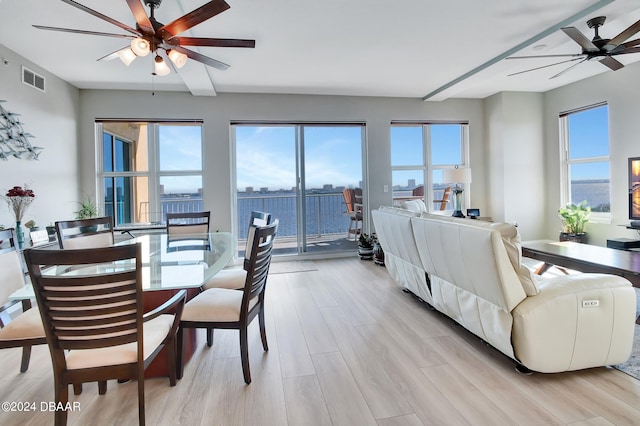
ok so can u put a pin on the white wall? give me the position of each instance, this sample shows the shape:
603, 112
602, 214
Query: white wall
217, 112
620, 89
515, 160
52, 118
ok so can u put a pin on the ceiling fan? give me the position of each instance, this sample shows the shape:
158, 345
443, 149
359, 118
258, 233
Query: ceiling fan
150, 35
598, 49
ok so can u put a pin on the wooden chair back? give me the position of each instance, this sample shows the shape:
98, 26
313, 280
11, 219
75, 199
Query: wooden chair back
94, 306
260, 218
349, 199
418, 191
257, 261
445, 198
85, 233
188, 223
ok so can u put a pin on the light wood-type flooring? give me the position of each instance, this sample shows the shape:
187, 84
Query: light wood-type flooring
347, 347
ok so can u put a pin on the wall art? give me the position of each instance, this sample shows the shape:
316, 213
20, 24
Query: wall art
14, 141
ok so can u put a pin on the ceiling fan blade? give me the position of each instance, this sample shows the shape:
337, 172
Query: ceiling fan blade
629, 50
71, 30
193, 18
546, 56
201, 58
580, 38
631, 43
211, 42
612, 63
614, 42
544, 66
111, 56
101, 16
568, 69
141, 16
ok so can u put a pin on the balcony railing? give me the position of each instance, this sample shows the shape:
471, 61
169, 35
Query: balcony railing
324, 213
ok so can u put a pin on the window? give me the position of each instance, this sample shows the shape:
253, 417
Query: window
149, 169
585, 154
419, 154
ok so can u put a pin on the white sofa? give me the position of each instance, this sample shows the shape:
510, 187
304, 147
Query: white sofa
470, 270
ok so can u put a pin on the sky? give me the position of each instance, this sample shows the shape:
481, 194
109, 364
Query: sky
266, 156
589, 137
181, 149
333, 154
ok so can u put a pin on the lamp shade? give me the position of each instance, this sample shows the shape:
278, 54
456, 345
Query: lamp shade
161, 67
178, 58
457, 175
126, 55
140, 46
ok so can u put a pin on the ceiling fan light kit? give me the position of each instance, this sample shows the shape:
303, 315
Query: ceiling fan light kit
598, 49
160, 67
149, 35
127, 55
140, 46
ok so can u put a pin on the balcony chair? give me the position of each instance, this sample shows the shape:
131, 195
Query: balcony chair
26, 329
85, 233
445, 198
354, 211
94, 322
418, 191
232, 309
188, 223
234, 278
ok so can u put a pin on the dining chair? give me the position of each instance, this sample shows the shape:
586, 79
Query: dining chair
188, 223
234, 278
94, 322
85, 233
25, 329
223, 308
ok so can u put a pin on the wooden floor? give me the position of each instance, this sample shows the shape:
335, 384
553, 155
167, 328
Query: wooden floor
347, 347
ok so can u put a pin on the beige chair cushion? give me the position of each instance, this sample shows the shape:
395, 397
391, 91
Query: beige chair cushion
188, 229
215, 305
27, 325
233, 279
155, 331
104, 239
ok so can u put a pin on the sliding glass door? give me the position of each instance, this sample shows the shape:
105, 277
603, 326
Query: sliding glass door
297, 173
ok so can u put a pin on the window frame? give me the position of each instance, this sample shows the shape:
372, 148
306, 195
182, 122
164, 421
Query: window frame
153, 172
566, 162
427, 168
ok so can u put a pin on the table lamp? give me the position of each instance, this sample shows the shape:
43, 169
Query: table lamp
457, 175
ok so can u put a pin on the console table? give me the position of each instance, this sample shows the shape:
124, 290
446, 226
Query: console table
585, 258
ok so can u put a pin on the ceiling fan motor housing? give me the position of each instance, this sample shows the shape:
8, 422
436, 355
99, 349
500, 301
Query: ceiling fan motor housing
153, 4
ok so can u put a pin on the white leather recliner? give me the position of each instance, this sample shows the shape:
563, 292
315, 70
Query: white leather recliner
475, 277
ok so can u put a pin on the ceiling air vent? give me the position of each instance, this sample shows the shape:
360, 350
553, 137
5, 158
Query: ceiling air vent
32, 79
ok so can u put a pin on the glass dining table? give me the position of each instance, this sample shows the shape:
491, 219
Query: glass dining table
170, 263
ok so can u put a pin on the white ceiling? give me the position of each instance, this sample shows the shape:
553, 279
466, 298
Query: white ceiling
405, 48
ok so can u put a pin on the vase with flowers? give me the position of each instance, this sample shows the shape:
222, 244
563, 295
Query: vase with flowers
19, 199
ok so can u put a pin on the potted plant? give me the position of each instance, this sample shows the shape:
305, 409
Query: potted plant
88, 209
365, 246
378, 253
574, 218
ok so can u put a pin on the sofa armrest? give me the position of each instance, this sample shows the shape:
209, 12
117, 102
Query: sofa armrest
576, 321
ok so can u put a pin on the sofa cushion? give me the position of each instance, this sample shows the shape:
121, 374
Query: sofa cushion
511, 239
417, 206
